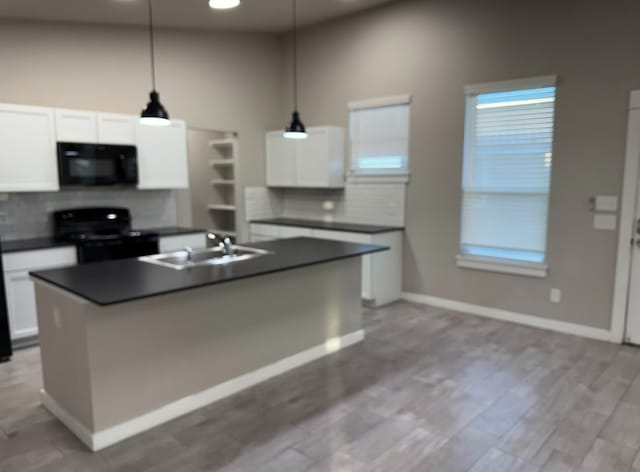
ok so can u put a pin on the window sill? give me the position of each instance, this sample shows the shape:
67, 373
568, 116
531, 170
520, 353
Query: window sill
529, 269
378, 179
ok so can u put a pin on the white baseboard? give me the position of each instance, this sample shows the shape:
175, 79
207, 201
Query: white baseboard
81, 431
505, 315
107, 437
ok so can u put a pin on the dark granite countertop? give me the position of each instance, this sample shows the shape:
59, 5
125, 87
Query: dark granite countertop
329, 226
109, 283
33, 244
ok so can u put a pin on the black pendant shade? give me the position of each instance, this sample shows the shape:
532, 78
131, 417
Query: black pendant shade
296, 129
155, 114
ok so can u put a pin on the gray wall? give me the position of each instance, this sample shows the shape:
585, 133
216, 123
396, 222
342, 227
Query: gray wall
222, 81
432, 49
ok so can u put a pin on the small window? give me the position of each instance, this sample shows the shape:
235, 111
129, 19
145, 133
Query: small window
379, 135
507, 171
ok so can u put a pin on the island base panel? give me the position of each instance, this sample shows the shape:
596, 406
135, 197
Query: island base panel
155, 359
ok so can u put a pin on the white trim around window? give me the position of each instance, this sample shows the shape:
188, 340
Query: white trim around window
506, 266
515, 84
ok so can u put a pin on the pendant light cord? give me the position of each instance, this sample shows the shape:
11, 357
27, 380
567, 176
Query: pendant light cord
153, 59
295, 57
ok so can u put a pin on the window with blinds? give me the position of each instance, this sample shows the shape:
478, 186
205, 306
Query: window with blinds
380, 140
507, 172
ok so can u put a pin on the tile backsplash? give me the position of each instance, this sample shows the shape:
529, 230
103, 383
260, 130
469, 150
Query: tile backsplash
376, 204
27, 215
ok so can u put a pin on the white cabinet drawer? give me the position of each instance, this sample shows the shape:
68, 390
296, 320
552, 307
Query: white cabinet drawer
265, 230
181, 241
39, 259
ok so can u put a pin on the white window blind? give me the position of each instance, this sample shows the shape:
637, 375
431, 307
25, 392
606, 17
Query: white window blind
380, 140
507, 173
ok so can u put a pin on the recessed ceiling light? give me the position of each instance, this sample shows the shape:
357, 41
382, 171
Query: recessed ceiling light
223, 4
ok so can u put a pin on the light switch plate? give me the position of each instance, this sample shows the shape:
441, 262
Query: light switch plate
604, 221
606, 203
556, 295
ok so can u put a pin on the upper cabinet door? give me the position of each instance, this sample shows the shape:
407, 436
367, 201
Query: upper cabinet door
76, 126
314, 156
116, 129
28, 161
281, 160
162, 156
315, 162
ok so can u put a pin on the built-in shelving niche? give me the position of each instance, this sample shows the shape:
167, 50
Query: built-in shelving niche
214, 185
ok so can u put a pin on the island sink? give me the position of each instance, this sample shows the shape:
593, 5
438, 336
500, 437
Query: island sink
185, 259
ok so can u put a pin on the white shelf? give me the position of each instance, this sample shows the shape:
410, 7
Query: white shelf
222, 162
221, 207
222, 143
222, 182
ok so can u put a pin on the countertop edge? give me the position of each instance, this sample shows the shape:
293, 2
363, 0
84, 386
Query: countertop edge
35, 275
320, 225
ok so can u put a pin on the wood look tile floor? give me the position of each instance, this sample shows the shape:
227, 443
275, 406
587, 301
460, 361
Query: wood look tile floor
428, 390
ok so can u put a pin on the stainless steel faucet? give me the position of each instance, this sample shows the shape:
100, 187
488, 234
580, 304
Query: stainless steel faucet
189, 250
227, 246
223, 242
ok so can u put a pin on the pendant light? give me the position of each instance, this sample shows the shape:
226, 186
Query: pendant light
154, 114
224, 4
296, 129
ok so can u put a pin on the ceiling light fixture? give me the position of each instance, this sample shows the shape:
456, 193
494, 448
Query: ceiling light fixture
154, 114
223, 4
296, 129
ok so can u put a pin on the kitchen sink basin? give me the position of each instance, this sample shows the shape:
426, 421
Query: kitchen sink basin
202, 257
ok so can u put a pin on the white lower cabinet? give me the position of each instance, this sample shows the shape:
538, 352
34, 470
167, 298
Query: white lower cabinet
21, 301
381, 272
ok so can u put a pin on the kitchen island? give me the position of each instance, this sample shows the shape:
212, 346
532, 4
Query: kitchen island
128, 345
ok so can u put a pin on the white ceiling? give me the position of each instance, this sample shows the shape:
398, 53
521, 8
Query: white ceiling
251, 15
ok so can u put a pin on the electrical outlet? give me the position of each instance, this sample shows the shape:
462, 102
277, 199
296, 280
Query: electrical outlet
556, 295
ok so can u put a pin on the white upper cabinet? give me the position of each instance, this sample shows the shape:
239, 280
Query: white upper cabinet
315, 162
114, 128
28, 161
162, 156
281, 160
76, 126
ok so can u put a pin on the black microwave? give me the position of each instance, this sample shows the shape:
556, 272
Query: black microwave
81, 164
